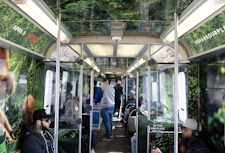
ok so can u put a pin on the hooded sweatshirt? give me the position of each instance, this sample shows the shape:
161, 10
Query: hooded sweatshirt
35, 142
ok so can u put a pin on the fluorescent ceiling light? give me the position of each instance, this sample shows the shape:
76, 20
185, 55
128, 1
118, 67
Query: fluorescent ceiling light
194, 14
87, 60
43, 15
128, 50
99, 50
141, 61
96, 68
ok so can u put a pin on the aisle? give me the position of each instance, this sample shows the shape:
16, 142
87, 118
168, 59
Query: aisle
120, 142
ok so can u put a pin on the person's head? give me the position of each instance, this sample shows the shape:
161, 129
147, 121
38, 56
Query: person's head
191, 128
95, 83
69, 87
142, 98
84, 97
103, 80
132, 96
41, 119
118, 83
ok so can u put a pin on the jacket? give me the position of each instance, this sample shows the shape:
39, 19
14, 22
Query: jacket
195, 145
35, 142
118, 91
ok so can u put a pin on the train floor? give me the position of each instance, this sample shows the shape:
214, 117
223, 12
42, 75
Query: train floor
120, 143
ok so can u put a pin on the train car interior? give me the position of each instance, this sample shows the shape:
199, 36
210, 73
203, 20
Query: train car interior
167, 56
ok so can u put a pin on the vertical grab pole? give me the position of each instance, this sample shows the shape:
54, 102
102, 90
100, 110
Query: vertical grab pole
176, 83
56, 125
91, 101
127, 82
80, 97
149, 95
199, 102
137, 98
123, 86
127, 87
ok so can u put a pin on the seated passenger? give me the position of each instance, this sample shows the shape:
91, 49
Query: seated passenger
192, 142
130, 112
132, 100
38, 139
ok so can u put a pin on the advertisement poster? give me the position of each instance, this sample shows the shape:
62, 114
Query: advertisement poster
208, 36
17, 102
17, 29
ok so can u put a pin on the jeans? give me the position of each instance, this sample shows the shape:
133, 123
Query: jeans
133, 143
94, 135
107, 115
117, 104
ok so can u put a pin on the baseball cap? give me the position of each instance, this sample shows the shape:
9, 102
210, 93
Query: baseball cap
119, 82
39, 114
192, 124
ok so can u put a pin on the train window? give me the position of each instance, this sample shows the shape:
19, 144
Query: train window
154, 91
49, 91
182, 99
162, 87
64, 88
113, 83
165, 105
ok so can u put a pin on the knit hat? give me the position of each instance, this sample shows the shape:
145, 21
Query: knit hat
192, 124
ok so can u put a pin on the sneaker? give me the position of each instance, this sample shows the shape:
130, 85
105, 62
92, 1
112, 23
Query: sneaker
92, 151
106, 139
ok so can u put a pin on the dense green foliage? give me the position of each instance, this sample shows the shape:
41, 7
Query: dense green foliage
10, 18
211, 26
213, 106
39, 87
193, 90
92, 17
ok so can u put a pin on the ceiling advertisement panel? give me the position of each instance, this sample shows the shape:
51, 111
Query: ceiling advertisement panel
66, 54
165, 55
208, 36
17, 29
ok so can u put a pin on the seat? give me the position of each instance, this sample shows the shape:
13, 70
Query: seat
131, 125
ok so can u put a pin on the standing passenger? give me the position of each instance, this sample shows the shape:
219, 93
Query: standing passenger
95, 88
106, 95
118, 93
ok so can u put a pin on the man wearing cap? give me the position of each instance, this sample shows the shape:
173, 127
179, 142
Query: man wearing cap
106, 95
193, 141
37, 138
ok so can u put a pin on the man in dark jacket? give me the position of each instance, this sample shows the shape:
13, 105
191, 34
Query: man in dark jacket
38, 139
192, 142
